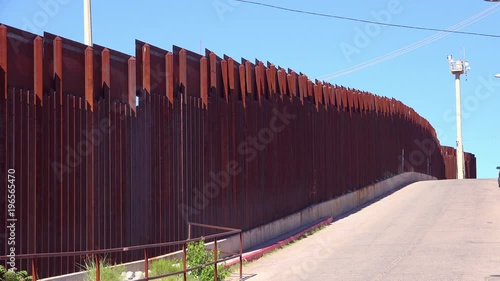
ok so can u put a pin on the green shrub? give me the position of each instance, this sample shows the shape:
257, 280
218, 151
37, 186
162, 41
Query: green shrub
198, 255
107, 271
11, 275
164, 266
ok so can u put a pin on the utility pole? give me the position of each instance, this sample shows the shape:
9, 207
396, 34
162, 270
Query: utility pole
458, 68
87, 22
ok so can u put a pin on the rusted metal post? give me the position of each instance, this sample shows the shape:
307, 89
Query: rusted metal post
131, 99
105, 74
38, 68
184, 265
97, 268
33, 269
89, 77
250, 79
241, 255
215, 259
183, 71
57, 72
169, 65
231, 73
146, 68
146, 263
242, 84
213, 73
204, 79
225, 79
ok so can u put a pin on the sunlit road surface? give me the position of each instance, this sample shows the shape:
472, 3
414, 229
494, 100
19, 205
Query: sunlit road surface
438, 230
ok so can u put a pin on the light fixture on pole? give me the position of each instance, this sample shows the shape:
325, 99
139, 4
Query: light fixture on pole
458, 68
87, 22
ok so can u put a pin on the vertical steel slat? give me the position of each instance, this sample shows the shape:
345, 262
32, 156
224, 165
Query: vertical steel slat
169, 142
155, 224
148, 180
99, 195
84, 208
222, 171
73, 238
122, 177
128, 165
175, 169
21, 163
65, 192
183, 89
26, 184
173, 134
108, 182
199, 147
57, 153
114, 187
30, 189
128, 150
38, 162
162, 172
104, 185
54, 186
43, 170
80, 181
92, 157
187, 159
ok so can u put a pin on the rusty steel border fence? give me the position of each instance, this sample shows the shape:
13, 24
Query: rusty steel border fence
111, 150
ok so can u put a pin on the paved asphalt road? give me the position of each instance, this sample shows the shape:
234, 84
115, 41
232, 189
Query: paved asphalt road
437, 230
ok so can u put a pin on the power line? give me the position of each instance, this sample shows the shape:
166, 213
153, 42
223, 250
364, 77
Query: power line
483, 14
367, 21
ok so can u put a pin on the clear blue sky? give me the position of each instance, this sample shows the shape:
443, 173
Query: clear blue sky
415, 73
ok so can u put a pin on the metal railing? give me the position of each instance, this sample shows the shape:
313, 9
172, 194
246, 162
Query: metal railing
95, 254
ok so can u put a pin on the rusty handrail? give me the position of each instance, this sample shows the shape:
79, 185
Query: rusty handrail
115, 250
95, 253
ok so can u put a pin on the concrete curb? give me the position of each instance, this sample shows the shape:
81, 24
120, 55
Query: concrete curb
257, 254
